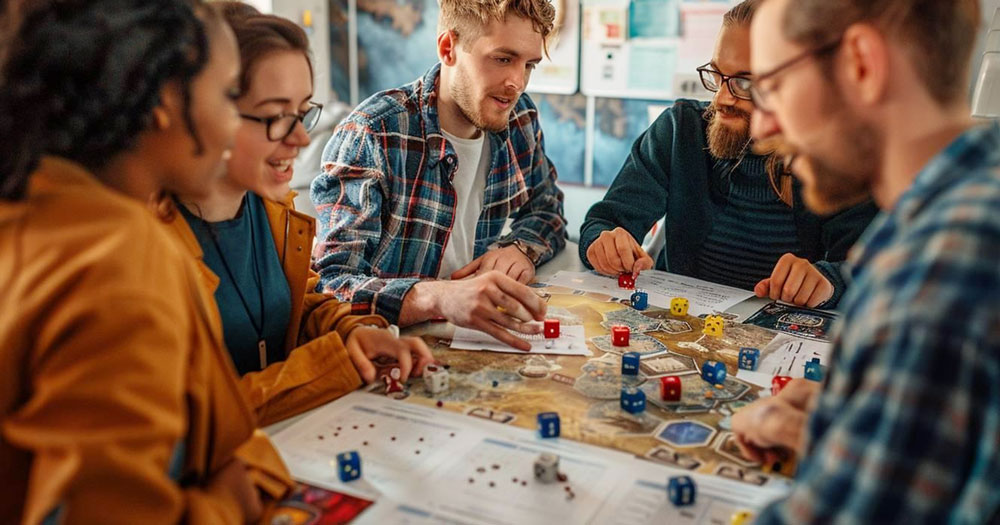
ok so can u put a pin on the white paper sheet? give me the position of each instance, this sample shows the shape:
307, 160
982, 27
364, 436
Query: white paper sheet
704, 297
786, 355
572, 341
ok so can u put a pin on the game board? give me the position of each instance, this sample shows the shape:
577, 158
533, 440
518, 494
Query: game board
693, 434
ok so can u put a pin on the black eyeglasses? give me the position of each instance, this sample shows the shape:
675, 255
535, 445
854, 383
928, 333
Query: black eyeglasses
281, 126
760, 97
738, 85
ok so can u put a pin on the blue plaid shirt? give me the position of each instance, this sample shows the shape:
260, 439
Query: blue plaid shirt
908, 427
386, 204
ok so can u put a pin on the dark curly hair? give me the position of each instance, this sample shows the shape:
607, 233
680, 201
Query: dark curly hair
81, 78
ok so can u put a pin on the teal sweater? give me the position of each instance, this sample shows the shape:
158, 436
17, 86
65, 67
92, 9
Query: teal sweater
670, 172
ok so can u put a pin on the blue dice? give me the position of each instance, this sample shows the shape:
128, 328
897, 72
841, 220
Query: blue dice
749, 358
633, 400
630, 364
814, 371
348, 466
640, 300
548, 425
681, 490
714, 372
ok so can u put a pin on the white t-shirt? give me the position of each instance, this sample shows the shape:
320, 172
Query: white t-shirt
474, 161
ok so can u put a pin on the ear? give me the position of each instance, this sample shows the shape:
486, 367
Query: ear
867, 62
169, 106
447, 47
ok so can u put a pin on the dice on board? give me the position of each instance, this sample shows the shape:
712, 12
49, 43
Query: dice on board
714, 325
639, 300
814, 371
633, 400
435, 378
348, 466
630, 364
620, 335
749, 358
547, 468
626, 281
742, 517
714, 372
551, 328
679, 306
778, 383
548, 424
681, 490
670, 388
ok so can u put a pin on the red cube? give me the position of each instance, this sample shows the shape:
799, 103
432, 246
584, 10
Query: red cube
778, 383
626, 281
619, 335
670, 388
551, 328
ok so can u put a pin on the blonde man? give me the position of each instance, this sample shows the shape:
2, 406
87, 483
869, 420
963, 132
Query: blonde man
418, 182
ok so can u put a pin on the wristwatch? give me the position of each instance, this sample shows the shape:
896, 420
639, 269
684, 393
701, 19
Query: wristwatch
524, 248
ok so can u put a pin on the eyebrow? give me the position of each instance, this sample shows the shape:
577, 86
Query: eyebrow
737, 74
515, 54
282, 101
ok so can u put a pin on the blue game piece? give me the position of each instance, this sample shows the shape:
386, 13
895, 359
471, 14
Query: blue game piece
748, 358
548, 424
640, 300
714, 372
681, 490
630, 364
814, 372
633, 400
348, 466
495, 383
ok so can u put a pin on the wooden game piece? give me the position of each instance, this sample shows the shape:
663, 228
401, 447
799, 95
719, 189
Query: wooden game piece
551, 328
392, 382
779, 382
748, 358
348, 466
630, 364
547, 468
639, 300
742, 517
814, 372
714, 325
435, 378
679, 306
681, 490
620, 335
670, 388
633, 400
548, 424
714, 372
626, 281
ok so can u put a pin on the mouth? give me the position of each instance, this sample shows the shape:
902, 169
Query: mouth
503, 103
282, 169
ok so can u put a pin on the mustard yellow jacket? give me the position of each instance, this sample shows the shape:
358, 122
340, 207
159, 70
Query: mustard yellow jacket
119, 400
316, 368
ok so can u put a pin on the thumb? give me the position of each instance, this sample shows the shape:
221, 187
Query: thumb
763, 288
642, 264
467, 270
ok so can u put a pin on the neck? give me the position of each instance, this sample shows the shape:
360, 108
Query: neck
913, 138
131, 175
221, 204
450, 115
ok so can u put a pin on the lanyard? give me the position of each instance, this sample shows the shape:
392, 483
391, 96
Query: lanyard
259, 329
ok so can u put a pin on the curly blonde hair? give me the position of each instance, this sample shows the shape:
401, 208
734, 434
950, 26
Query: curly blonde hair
468, 18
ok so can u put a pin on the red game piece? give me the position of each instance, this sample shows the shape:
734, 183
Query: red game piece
619, 335
626, 280
551, 328
778, 383
670, 388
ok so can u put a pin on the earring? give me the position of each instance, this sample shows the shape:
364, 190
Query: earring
227, 154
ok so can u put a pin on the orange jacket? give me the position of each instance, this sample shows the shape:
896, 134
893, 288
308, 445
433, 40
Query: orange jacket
119, 402
317, 368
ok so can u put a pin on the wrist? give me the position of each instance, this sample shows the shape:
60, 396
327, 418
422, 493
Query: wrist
421, 303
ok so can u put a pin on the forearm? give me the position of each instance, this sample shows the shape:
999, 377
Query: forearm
420, 304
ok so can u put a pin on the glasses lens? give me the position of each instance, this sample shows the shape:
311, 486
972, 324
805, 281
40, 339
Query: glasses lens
281, 128
758, 98
710, 79
740, 87
311, 118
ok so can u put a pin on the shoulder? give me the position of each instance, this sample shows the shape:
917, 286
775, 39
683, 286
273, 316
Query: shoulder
385, 109
683, 112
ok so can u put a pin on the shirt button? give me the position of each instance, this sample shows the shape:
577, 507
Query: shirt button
450, 160
299, 248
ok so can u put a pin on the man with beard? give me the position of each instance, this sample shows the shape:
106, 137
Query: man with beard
870, 97
732, 217
419, 181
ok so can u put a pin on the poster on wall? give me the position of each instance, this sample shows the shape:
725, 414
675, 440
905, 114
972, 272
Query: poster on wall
559, 73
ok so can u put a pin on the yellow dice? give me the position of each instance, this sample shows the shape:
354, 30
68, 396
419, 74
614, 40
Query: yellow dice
713, 325
742, 517
679, 306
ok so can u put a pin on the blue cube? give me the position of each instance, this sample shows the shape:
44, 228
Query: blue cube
348, 466
714, 372
630, 364
749, 358
814, 371
548, 424
640, 300
681, 490
633, 400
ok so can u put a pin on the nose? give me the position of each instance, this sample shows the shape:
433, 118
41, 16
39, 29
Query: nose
763, 125
517, 81
299, 136
724, 97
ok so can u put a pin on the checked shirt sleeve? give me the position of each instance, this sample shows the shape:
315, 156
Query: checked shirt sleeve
348, 195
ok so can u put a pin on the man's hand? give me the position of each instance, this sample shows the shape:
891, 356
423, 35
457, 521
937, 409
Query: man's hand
772, 428
508, 260
492, 303
796, 281
234, 480
615, 252
367, 343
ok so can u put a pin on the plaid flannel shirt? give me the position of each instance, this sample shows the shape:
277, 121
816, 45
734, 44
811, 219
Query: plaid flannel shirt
907, 429
386, 204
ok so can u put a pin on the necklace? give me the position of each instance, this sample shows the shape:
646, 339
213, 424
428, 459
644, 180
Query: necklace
258, 328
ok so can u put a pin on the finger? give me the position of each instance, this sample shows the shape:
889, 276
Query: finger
361, 362
533, 303
404, 358
749, 451
778, 277
419, 349
643, 263
783, 429
467, 270
513, 324
510, 305
796, 276
502, 335
762, 288
820, 295
611, 257
599, 261
626, 254
799, 392
806, 290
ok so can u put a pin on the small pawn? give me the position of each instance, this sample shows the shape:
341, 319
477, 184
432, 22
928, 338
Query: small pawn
742, 517
679, 306
435, 378
626, 281
548, 424
551, 328
639, 300
681, 490
714, 325
814, 371
392, 382
748, 358
348, 466
630, 364
633, 400
620, 335
714, 372
778, 383
547, 468
670, 388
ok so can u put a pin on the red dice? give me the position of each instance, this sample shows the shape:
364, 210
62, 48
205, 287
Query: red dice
670, 388
778, 383
626, 281
551, 328
619, 335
